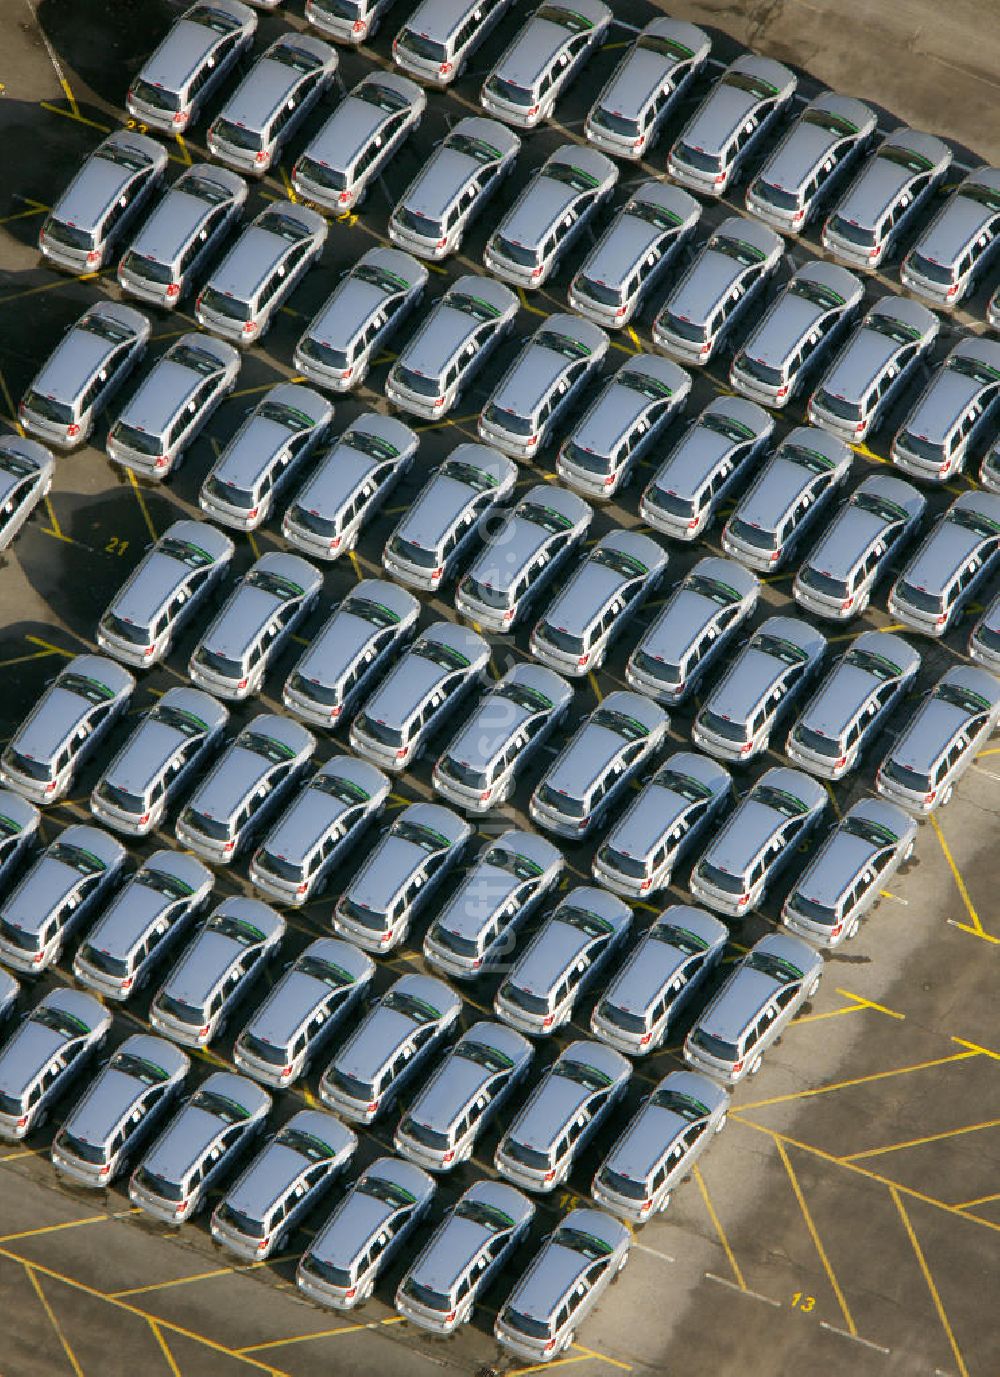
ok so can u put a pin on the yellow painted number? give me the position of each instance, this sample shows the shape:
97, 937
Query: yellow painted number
135, 124
804, 1303
116, 546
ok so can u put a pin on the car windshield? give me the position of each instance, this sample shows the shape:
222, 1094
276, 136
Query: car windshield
714, 589
720, 424
565, 345
285, 226
851, 231
259, 744
582, 1074
78, 859
896, 330
547, 517
824, 297
139, 1068
685, 785
904, 157
620, 723
385, 281
370, 611
753, 85
880, 507
479, 149
514, 864
974, 521
388, 1191
973, 368
179, 719
619, 563
410, 1006
875, 832
61, 1022
565, 18
584, 920
220, 1106
440, 654
91, 689
468, 474
222, 21
299, 59
186, 552
682, 938
589, 1245
474, 306
878, 665
425, 837
788, 805
162, 882
774, 966
781, 649
273, 583
684, 1106
231, 132
238, 929
747, 254
484, 1055
962, 698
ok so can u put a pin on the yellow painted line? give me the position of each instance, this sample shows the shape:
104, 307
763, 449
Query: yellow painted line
634, 338
985, 936
171, 1363
134, 483
24, 1152
919, 1142
956, 876
253, 544
870, 1003
69, 1224
980, 1200
184, 1281
592, 677
827, 1013
935, 1297
35, 208
74, 115
860, 1080
67, 92
893, 626
448, 421
20, 660
47, 287
867, 453
173, 1328
737, 1273
535, 310
833, 800
51, 649
289, 189
831, 1276
261, 387
184, 150
974, 1049
320, 1334
356, 564
603, 1357
544, 1367
71, 1356
993, 750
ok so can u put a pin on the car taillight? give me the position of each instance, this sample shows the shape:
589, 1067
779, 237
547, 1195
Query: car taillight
50, 788
846, 604
105, 1171
37, 960
346, 374
798, 217
535, 272
692, 523
836, 930
943, 468
373, 1105
144, 818
286, 1071
874, 252
705, 348
621, 310
72, 431
243, 683
550, 1175
583, 823
645, 885
344, 197
22, 1121
477, 963
360, 26
441, 243
161, 461
148, 651
252, 513
720, 179
743, 900
929, 798
746, 748
444, 69
609, 482
550, 1346
438, 401
127, 983
859, 427
180, 117
508, 616
181, 1207
952, 290
401, 753
646, 1037
438, 572
940, 621
94, 256
197, 303
386, 937
263, 1244
335, 712
839, 762
249, 327
637, 143
583, 659
737, 1066
203, 1032
484, 797
173, 289
774, 556
262, 156
533, 440
229, 846
352, 1291
782, 392
645, 1207
302, 888
449, 1157
533, 110
548, 1020
335, 543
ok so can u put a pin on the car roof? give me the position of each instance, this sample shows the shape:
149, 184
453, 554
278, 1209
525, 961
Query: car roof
180, 214
459, 1079
654, 1128
652, 963
949, 545
854, 529
848, 687
642, 70
791, 316
136, 906
414, 676
360, 1215
593, 747
747, 990
880, 180
446, 329
458, 1240
188, 43
557, 944
593, 585
277, 1166
782, 480
59, 710
948, 395
383, 1029
539, 40
193, 1130
270, 82
113, 1091
652, 813
712, 273
844, 853
629, 236
747, 829
806, 144
74, 361
448, 170
100, 180
617, 406
725, 107
960, 219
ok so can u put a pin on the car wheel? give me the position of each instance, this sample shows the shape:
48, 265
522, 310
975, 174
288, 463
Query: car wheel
813, 987
721, 1124
624, 1261
907, 855
852, 929
755, 1065
661, 1207
946, 796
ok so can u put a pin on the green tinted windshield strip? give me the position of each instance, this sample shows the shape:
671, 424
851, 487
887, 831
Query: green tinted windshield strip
15, 826
739, 427
160, 1072
584, 176
197, 550
824, 459
693, 938
732, 593
324, 1148
102, 689
74, 1022
280, 747
182, 888
907, 330
190, 717
528, 863
355, 790
249, 929
654, 384
87, 855
879, 830
484, 305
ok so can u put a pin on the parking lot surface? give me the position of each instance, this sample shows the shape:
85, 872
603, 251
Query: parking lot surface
848, 1219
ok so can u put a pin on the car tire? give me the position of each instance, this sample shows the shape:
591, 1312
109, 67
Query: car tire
624, 1261
755, 1065
813, 987
907, 855
661, 1207
721, 1124
852, 929
946, 796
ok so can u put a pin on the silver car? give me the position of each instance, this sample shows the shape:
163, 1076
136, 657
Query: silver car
326, 984
940, 741
576, 631
364, 311
725, 279
82, 374
71, 717
185, 71
959, 244
571, 949
461, 332
474, 1081
26, 472
89, 219
182, 234
623, 423
437, 42
268, 603
848, 873
852, 704
347, 21
765, 679
556, 363
265, 265
475, 931
984, 638
702, 616
758, 1001
664, 973
826, 142
552, 46
222, 960
404, 870
809, 316
731, 124
477, 1238
19, 824
661, 1143
355, 145
283, 85
958, 407
51, 1047
881, 203
352, 651
609, 748
172, 405
874, 364
461, 175
712, 456
394, 1041
685, 798
524, 552
64, 885
551, 213
630, 259
172, 581
349, 485
446, 518
570, 1273
959, 554
778, 813
578, 1092
367, 1229
837, 578
272, 445
293, 1171
424, 688
646, 87
145, 920
799, 482
324, 822
247, 783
